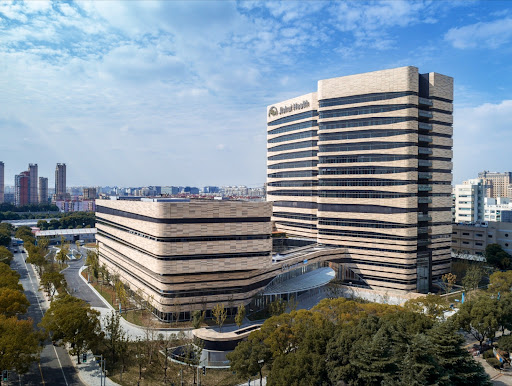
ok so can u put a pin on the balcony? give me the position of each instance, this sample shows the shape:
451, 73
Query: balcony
424, 188
424, 217
424, 175
424, 162
424, 138
424, 200
425, 114
425, 101
424, 150
424, 126
423, 229
424, 242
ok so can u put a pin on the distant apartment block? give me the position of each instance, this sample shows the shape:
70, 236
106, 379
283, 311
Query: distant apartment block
364, 163
22, 188
33, 184
498, 209
469, 201
60, 184
499, 184
89, 193
43, 190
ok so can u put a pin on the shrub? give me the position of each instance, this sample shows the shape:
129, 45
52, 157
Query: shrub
494, 362
488, 354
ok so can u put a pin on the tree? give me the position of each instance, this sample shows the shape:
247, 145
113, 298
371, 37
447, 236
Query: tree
250, 356
35, 256
121, 293
12, 302
479, 317
240, 315
9, 278
497, 257
19, 344
5, 239
459, 368
220, 315
52, 282
277, 307
115, 336
71, 320
93, 263
473, 276
449, 280
5, 255
500, 282
62, 255
25, 233
165, 344
197, 318
434, 306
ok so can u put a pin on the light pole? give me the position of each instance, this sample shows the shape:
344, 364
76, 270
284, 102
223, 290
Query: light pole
103, 380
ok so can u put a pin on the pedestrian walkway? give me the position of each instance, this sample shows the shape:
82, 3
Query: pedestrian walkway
255, 382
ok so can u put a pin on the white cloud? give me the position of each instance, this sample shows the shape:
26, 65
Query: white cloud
482, 137
491, 34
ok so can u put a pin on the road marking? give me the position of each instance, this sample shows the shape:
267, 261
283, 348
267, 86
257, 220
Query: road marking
42, 312
41, 371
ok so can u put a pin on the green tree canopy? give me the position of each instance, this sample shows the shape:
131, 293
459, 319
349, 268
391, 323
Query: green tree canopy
12, 302
5, 255
497, 257
52, 282
9, 278
71, 320
25, 233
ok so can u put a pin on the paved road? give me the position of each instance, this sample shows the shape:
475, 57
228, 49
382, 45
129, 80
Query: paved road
55, 367
78, 287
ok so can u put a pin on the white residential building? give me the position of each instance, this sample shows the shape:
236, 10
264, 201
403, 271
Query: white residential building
497, 209
469, 201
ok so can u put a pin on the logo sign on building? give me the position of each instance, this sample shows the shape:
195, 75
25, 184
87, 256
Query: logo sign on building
273, 111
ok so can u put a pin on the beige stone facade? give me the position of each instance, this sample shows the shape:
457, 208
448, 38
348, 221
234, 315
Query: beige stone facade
365, 163
187, 255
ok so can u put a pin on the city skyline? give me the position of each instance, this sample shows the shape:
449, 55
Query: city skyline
171, 102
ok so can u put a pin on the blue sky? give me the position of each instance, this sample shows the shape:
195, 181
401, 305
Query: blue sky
175, 93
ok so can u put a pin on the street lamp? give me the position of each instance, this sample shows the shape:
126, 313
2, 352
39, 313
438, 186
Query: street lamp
103, 371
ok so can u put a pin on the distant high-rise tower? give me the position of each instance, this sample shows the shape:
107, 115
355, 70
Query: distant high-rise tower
1, 182
43, 190
60, 182
498, 183
89, 193
21, 188
33, 191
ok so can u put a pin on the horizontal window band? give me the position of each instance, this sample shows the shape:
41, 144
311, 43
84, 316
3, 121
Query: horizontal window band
362, 110
355, 208
364, 134
291, 146
362, 122
292, 137
295, 216
361, 98
441, 99
302, 173
199, 238
294, 117
296, 204
365, 158
364, 182
290, 165
293, 184
200, 220
295, 224
363, 235
341, 193
365, 170
365, 146
294, 155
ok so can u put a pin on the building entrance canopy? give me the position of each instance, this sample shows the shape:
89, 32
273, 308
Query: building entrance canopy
313, 279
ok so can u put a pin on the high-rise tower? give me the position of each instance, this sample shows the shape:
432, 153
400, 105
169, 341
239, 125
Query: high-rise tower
43, 190
60, 182
33, 183
365, 163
